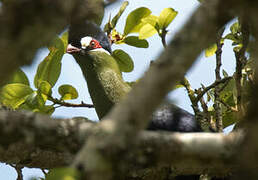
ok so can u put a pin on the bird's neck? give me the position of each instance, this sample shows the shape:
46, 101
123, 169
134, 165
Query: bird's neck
104, 80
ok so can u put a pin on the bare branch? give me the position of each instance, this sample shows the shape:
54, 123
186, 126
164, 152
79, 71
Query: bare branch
217, 105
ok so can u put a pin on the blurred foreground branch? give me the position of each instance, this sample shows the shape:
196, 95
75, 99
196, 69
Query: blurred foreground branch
46, 143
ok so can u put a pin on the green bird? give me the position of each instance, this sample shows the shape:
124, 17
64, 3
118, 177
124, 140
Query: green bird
91, 49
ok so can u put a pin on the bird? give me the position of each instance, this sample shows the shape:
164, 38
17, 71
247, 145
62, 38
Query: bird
91, 49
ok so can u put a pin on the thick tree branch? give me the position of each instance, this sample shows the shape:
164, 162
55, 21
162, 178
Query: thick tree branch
43, 142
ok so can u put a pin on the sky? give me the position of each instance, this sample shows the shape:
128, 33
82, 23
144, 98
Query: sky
201, 72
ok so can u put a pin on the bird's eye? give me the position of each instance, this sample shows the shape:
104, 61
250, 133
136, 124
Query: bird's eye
92, 43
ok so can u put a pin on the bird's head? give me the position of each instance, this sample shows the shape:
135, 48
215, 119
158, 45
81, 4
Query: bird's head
86, 37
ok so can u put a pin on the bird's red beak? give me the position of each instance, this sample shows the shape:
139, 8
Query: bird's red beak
71, 49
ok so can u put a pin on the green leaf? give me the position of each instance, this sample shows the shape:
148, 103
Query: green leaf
151, 19
45, 88
124, 61
19, 77
166, 17
118, 15
136, 42
63, 174
235, 28
64, 39
13, 95
227, 95
147, 31
210, 51
35, 101
133, 21
228, 118
49, 69
67, 92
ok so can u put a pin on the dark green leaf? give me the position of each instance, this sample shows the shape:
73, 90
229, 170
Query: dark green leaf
13, 95
135, 41
124, 61
63, 174
166, 17
133, 21
229, 118
67, 92
19, 77
49, 69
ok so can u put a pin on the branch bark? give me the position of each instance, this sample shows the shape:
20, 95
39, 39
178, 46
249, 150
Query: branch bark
43, 142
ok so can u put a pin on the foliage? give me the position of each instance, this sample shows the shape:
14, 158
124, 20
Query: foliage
18, 94
139, 26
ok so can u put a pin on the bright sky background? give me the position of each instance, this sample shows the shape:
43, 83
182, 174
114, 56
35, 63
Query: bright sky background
201, 72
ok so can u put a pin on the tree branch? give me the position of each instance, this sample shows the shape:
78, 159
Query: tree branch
31, 146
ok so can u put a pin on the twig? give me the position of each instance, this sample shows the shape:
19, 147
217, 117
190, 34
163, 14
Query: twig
213, 85
66, 104
227, 106
18, 169
44, 171
163, 38
217, 105
202, 118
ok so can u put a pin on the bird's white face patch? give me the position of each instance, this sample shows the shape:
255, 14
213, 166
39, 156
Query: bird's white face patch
85, 42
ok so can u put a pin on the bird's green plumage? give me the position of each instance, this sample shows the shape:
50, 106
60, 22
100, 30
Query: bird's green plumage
105, 83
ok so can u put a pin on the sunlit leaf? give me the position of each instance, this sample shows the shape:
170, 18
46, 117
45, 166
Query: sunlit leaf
133, 21
166, 17
235, 28
45, 88
35, 101
210, 51
67, 92
63, 174
136, 42
124, 61
151, 19
13, 95
49, 69
147, 31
